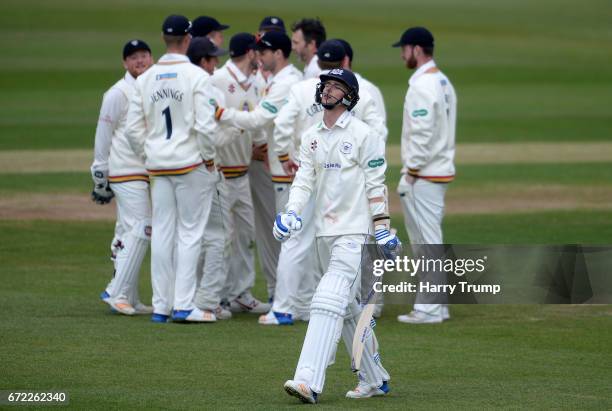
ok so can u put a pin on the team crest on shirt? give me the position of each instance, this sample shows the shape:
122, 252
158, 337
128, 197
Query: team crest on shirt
313, 145
231, 88
346, 147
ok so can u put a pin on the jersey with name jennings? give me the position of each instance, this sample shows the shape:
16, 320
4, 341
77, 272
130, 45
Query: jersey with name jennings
170, 119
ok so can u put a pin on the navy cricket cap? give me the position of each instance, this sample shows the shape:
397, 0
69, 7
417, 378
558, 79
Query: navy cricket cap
201, 47
176, 25
416, 36
133, 46
203, 25
241, 43
347, 48
272, 23
274, 40
331, 50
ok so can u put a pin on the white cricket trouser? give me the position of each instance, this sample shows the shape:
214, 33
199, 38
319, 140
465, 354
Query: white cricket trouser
181, 205
297, 274
238, 214
335, 313
423, 206
133, 210
215, 248
268, 249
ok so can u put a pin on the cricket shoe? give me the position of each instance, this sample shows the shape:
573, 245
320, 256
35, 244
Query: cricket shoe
247, 303
196, 316
159, 318
302, 391
419, 317
105, 297
365, 390
275, 318
122, 306
445, 313
142, 309
222, 314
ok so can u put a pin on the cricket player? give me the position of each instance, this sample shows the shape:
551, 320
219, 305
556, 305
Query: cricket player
212, 264
308, 34
117, 171
171, 124
296, 274
342, 166
428, 151
262, 188
205, 26
234, 155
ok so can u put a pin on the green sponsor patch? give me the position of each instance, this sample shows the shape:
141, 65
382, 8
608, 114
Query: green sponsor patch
213, 102
419, 113
376, 163
270, 107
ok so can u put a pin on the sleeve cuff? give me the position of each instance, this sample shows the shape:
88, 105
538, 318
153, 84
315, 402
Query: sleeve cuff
219, 113
283, 158
209, 163
413, 172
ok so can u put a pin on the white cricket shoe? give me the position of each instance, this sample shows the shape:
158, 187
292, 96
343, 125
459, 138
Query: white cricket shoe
222, 314
196, 315
445, 313
274, 318
122, 306
419, 317
142, 309
247, 303
302, 391
365, 390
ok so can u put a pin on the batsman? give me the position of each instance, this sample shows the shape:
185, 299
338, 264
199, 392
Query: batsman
341, 164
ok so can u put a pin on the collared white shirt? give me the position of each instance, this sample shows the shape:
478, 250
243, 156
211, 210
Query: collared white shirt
312, 69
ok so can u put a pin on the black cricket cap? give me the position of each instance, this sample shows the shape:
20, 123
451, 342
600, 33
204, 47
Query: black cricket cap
416, 36
272, 23
176, 25
133, 46
201, 47
241, 43
205, 24
275, 40
347, 48
331, 50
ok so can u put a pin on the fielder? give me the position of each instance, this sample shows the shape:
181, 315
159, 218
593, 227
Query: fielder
206, 26
117, 171
428, 150
296, 275
308, 34
342, 166
171, 124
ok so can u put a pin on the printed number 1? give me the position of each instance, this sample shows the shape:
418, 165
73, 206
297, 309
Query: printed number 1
166, 113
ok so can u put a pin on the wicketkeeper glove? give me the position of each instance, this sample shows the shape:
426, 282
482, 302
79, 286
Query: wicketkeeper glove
102, 193
285, 224
388, 243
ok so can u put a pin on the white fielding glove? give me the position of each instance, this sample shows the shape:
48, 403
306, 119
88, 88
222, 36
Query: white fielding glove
285, 224
388, 243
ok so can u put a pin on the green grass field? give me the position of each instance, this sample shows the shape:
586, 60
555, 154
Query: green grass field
524, 71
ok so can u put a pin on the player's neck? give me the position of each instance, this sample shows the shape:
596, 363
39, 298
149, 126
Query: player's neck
331, 116
176, 50
244, 66
281, 65
423, 61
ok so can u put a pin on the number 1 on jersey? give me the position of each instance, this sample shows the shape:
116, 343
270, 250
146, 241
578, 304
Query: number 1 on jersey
166, 113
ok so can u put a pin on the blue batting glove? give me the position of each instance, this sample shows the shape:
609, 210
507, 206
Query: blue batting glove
285, 224
388, 243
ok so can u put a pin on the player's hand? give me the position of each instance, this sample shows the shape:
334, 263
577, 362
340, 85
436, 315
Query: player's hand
290, 167
102, 193
388, 243
260, 152
410, 179
285, 224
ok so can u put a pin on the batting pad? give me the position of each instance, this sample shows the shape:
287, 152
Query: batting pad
130, 259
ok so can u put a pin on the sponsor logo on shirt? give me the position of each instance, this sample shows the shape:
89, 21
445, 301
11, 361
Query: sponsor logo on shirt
419, 113
346, 147
231, 88
376, 163
314, 109
166, 76
270, 107
336, 166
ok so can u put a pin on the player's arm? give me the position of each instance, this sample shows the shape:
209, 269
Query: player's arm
301, 190
114, 105
263, 114
284, 126
136, 126
205, 125
371, 116
417, 130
